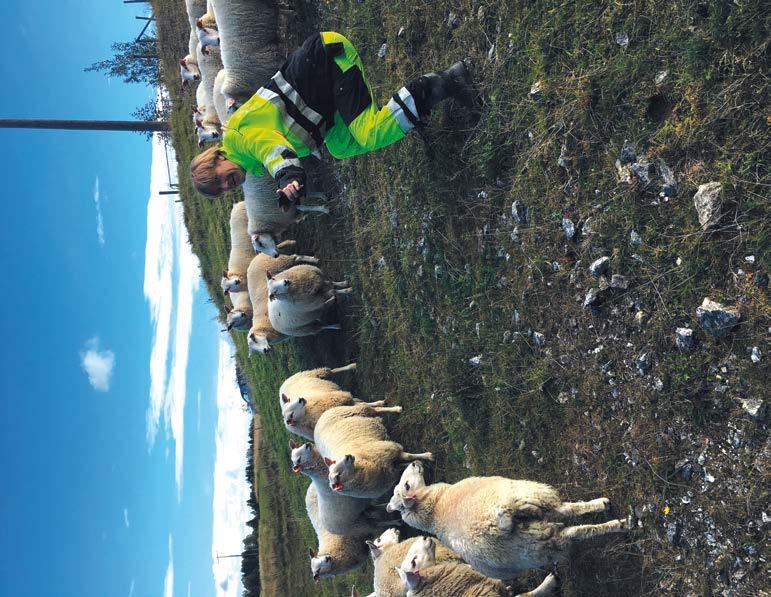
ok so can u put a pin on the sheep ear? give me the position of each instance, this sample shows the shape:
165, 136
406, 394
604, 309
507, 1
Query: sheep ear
312, 553
284, 398
374, 550
308, 445
409, 500
328, 462
269, 274
182, 62
411, 579
293, 445
301, 400
224, 273
228, 309
349, 458
199, 23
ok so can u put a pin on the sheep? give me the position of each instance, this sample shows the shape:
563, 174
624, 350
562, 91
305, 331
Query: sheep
306, 395
336, 554
249, 32
368, 468
497, 525
388, 554
195, 9
208, 126
188, 66
339, 514
423, 576
241, 253
206, 29
267, 221
218, 99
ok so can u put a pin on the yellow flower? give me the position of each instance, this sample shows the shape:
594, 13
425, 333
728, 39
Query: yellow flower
666, 509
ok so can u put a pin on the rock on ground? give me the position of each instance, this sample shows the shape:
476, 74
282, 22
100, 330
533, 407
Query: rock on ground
707, 202
717, 319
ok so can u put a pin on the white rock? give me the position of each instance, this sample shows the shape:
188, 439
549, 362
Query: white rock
707, 202
755, 356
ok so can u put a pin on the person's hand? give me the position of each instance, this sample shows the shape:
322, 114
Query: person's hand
289, 195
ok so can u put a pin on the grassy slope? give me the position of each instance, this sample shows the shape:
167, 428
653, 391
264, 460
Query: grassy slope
565, 413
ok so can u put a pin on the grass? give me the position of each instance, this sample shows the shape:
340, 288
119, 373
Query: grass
442, 275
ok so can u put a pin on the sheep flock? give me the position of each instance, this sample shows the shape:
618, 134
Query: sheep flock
475, 535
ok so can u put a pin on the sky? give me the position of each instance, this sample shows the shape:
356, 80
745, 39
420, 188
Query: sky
122, 438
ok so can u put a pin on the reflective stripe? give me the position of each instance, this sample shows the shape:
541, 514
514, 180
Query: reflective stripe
291, 123
295, 98
276, 167
396, 109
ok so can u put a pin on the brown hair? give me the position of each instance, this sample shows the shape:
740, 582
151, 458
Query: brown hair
202, 171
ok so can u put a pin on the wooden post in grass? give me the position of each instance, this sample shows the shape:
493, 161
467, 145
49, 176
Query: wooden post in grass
86, 125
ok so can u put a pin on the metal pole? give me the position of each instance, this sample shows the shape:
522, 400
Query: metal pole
86, 125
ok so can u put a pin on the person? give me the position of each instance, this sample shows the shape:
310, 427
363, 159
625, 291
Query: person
320, 95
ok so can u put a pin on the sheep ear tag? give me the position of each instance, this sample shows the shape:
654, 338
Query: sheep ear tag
312, 553
328, 462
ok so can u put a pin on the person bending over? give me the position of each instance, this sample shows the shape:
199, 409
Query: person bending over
320, 95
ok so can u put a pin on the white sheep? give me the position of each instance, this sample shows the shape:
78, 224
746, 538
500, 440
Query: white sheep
339, 514
241, 252
388, 554
362, 460
261, 333
208, 126
249, 32
306, 395
423, 575
241, 315
188, 66
336, 554
218, 99
267, 221
195, 10
499, 526
208, 36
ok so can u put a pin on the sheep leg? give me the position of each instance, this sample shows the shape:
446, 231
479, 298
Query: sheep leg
306, 259
287, 247
342, 284
345, 291
371, 404
547, 588
407, 457
585, 531
349, 367
568, 509
329, 301
312, 208
388, 409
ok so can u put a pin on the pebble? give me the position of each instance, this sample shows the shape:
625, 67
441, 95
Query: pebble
382, 51
619, 281
755, 355
600, 266
684, 339
635, 239
569, 228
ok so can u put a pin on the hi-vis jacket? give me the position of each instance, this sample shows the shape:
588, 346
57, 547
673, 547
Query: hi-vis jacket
320, 95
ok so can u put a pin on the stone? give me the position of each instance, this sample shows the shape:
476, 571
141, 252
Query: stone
669, 183
684, 339
708, 203
453, 21
628, 154
600, 266
640, 318
382, 51
622, 39
588, 227
520, 213
755, 407
619, 282
603, 283
717, 319
592, 297
536, 88
673, 533
643, 363
539, 339
635, 239
660, 77
755, 355
476, 361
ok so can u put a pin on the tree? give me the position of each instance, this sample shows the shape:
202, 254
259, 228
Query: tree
132, 62
155, 109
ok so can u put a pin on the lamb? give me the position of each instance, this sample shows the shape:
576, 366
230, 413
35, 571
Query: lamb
206, 29
195, 9
499, 526
241, 253
256, 299
208, 126
267, 221
388, 554
339, 514
423, 576
336, 554
306, 395
249, 43
368, 468
188, 66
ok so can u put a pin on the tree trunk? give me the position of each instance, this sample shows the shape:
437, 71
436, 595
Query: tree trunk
86, 125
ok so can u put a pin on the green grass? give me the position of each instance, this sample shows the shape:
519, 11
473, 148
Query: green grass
551, 413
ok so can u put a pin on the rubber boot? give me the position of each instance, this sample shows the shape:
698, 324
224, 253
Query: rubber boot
430, 89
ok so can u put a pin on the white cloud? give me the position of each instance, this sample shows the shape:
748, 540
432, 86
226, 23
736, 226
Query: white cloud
131, 588
99, 220
231, 489
168, 581
98, 364
167, 246
125, 518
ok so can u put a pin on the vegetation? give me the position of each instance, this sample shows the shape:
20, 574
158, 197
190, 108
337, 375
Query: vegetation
443, 275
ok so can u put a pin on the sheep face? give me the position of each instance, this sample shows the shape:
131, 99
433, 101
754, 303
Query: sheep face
189, 71
421, 554
238, 320
388, 538
403, 498
208, 37
264, 243
207, 133
322, 566
340, 472
276, 287
302, 455
232, 283
258, 343
292, 410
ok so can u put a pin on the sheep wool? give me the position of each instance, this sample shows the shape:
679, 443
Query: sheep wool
336, 554
241, 252
195, 10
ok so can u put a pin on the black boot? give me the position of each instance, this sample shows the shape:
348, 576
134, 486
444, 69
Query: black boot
455, 82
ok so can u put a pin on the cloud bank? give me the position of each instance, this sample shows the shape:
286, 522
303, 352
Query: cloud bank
167, 250
231, 490
98, 364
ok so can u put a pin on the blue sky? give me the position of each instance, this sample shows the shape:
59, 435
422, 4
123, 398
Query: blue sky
113, 372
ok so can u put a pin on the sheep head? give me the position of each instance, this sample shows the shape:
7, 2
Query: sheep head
341, 472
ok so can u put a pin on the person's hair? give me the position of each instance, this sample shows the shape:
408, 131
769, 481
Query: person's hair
202, 171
